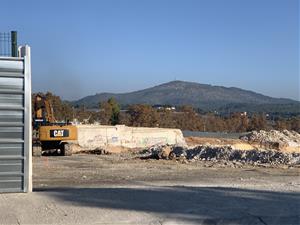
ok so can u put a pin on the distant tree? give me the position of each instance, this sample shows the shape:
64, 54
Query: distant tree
83, 115
115, 111
258, 122
62, 110
143, 116
105, 113
167, 119
214, 123
281, 124
295, 124
188, 119
109, 112
244, 125
124, 118
237, 122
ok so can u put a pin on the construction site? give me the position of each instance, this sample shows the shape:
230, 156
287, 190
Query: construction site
129, 175
62, 172
175, 181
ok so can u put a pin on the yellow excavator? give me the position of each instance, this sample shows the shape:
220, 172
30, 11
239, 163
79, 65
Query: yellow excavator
50, 136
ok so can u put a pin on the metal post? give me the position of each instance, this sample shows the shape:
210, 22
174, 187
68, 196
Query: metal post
14, 44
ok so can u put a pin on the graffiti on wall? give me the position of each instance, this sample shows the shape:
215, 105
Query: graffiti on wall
149, 141
114, 139
98, 139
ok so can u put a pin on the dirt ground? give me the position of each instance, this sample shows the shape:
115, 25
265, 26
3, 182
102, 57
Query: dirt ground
127, 169
136, 191
235, 143
122, 189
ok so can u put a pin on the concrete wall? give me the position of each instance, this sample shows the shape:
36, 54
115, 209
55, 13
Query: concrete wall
93, 136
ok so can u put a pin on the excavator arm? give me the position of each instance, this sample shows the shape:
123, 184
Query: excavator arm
43, 111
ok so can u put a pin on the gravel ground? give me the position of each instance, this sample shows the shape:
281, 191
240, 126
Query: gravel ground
120, 189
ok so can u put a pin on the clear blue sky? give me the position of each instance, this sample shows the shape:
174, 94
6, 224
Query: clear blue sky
83, 47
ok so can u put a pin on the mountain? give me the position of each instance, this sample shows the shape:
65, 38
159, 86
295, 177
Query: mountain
202, 96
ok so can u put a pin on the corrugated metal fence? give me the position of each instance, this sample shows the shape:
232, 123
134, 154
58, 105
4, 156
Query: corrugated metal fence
15, 122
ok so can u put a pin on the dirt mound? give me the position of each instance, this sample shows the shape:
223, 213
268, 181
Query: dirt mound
208, 153
218, 142
285, 140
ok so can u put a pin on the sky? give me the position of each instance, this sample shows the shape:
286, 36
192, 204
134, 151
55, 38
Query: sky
85, 47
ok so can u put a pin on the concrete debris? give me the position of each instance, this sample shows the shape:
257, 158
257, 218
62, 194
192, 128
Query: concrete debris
96, 151
226, 153
273, 139
165, 152
156, 152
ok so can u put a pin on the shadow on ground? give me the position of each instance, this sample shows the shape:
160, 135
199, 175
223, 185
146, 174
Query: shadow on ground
203, 205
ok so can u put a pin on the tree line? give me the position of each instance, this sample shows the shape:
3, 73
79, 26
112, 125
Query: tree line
184, 118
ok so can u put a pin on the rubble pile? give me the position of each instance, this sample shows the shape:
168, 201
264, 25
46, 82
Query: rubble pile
215, 154
273, 139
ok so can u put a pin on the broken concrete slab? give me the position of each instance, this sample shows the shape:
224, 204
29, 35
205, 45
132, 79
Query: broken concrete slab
96, 136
